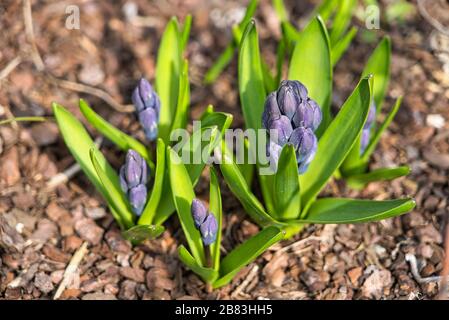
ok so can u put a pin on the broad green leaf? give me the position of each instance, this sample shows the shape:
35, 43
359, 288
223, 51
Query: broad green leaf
216, 208
119, 138
114, 195
268, 78
241, 190
247, 168
251, 82
210, 119
185, 32
379, 65
246, 253
340, 210
358, 181
280, 56
183, 195
151, 207
378, 133
140, 233
336, 142
286, 185
79, 144
280, 9
311, 65
207, 274
342, 45
341, 20
167, 77
180, 119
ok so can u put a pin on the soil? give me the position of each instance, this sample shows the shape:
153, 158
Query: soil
41, 228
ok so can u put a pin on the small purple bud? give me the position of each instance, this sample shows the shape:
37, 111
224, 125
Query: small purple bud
273, 153
283, 128
271, 110
364, 139
371, 116
137, 100
122, 177
146, 93
135, 169
287, 99
199, 212
305, 143
308, 115
209, 230
138, 198
148, 120
300, 89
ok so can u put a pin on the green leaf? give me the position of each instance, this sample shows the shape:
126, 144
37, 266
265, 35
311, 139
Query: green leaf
140, 233
241, 190
251, 81
327, 8
207, 274
340, 210
216, 208
311, 65
377, 135
79, 144
342, 20
23, 119
180, 119
183, 195
336, 142
286, 185
358, 181
151, 207
268, 78
342, 45
167, 77
246, 253
114, 195
280, 9
290, 34
185, 32
119, 138
379, 65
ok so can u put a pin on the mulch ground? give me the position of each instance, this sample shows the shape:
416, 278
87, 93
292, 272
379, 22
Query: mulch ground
42, 228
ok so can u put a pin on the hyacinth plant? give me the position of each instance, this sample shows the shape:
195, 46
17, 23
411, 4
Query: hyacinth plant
355, 167
138, 193
203, 229
311, 146
336, 14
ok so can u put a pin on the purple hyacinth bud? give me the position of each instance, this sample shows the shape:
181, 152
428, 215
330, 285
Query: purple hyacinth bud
308, 115
283, 129
364, 140
271, 110
147, 105
135, 170
299, 88
199, 212
133, 177
371, 116
148, 120
305, 143
273, 153
209, 230
137, 198
287, 98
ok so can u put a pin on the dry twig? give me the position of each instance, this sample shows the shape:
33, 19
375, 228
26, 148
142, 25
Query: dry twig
252, 274
71, 270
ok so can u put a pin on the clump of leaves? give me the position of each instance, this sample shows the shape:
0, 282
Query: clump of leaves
291, 195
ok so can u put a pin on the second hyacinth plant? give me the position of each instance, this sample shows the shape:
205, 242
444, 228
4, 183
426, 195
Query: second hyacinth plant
307, 145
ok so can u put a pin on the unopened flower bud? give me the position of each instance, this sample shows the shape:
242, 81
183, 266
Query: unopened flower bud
147, 105
209, 230
305, 144
199, 212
